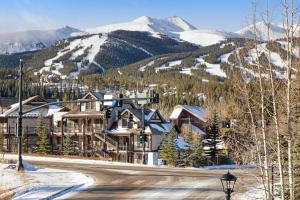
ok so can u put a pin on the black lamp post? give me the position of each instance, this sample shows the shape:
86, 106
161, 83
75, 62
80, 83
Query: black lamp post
228, 180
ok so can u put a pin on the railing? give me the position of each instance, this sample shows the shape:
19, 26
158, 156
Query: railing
26, 130
107, 138
78, 130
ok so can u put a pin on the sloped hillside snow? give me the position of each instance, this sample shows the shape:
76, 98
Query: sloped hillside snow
205, 37
142, 69
213, 69
276, 32
274, 57
169, 65
91, 45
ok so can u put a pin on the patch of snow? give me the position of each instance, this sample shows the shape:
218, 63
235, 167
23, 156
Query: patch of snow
42, 183
53, 109
249, 166
169, 65
142, 69
174, 63
213, 69
175, 113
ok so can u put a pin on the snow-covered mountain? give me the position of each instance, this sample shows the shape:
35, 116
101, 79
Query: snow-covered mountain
32, 40
206, 37
276, 31
147, 24
174, 27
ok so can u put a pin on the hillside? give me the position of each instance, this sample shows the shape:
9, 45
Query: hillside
32, 40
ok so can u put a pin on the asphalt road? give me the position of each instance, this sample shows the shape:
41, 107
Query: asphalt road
131, 182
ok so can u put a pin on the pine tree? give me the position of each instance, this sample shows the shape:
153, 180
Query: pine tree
164, 148
43, 141
173, 157
196, 156
187, 153
213, 135
69, 145
169, 151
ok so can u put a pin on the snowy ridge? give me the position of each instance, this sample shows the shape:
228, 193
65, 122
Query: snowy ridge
174, 27
147, 24
206, 37
276, 32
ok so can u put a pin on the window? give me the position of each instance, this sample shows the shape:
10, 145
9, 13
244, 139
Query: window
125, 122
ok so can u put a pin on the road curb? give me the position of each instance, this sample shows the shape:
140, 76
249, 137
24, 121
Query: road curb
62, 192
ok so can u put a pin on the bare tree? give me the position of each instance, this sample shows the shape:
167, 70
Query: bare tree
267, 21
262, 106
289, 15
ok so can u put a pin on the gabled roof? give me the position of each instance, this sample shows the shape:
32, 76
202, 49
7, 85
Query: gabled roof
31, 102
148, 113
96, 95
196, 111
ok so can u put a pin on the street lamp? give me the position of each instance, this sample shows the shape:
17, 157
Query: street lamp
20, 166
228, 180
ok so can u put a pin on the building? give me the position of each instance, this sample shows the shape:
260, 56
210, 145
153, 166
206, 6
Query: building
188, 118
126, 133
89, 128
113, 138
8, 122
5, 103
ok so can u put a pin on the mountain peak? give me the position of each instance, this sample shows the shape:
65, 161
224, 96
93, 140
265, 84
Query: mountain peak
143, 19
262, 31
178, 21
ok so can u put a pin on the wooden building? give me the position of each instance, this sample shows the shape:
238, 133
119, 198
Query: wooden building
188, 118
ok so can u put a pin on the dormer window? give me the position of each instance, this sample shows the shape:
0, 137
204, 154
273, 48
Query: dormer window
125, 121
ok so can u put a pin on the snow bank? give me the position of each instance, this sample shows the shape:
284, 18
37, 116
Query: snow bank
230, 167
41, 183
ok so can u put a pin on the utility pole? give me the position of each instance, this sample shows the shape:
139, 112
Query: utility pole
143, 135
20, 166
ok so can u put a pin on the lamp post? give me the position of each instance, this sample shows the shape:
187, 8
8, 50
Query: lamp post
228, 180
20, 166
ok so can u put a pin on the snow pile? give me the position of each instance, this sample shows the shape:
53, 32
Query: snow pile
249, 166
258, 193
41, 183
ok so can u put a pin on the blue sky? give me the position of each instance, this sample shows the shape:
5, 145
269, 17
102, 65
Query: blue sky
228, 15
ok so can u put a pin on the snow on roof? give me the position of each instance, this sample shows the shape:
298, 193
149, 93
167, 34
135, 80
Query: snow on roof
175, 114
197, 111
53, 109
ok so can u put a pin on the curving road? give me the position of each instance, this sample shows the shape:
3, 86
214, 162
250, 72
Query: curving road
131, 182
